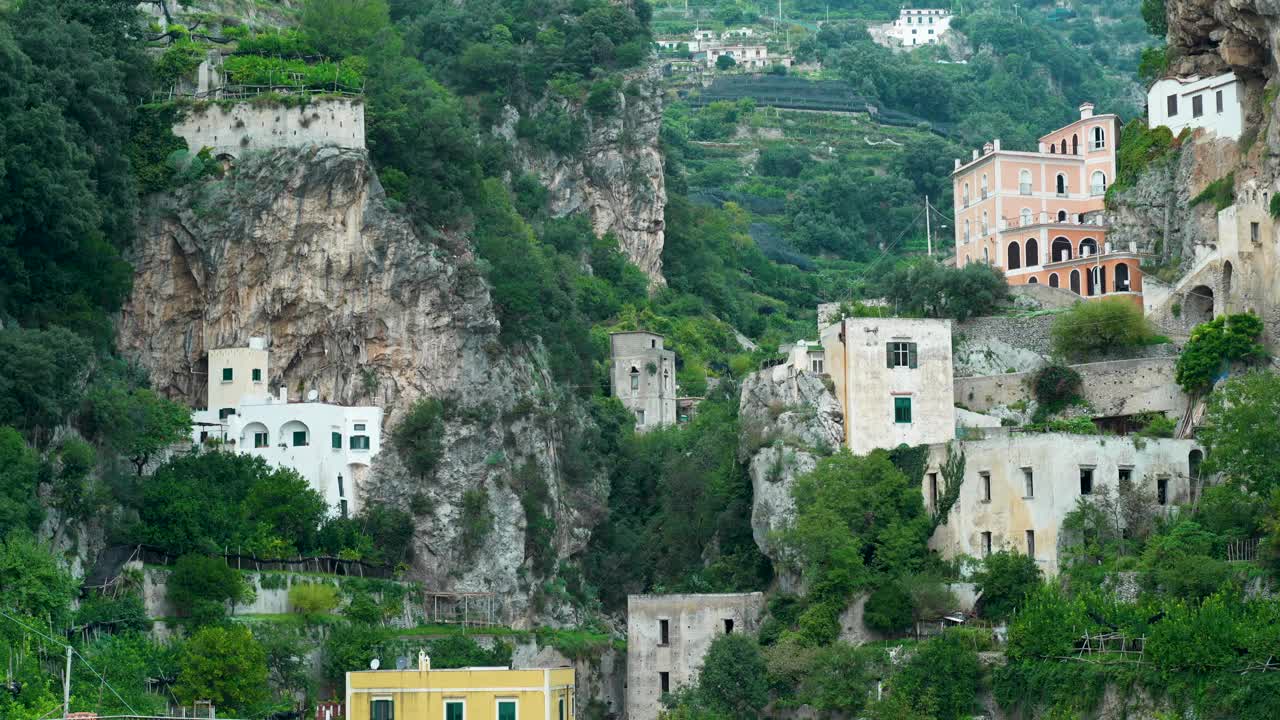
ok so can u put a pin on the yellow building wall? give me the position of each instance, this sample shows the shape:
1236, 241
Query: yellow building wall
421, 695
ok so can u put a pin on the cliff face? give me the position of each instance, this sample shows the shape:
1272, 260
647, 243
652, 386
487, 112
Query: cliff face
298, 247
617, 178
790, 421
1209, 36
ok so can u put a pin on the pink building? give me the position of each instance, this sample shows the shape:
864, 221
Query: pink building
1038, 215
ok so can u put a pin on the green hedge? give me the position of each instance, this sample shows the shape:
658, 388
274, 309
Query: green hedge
259, 70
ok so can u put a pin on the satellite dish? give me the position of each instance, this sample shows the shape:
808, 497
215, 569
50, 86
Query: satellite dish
402, 663
312, 395
374, 664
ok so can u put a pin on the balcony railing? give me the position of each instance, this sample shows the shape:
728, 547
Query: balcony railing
1047, 219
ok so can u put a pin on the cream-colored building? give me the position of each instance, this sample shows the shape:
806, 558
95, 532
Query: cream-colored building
893, 378
477, 693
644, 377
806, 356
1019, 487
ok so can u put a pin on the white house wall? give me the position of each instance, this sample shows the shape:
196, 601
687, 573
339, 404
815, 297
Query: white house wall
1226, 124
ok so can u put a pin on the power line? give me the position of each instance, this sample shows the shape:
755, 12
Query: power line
72, 649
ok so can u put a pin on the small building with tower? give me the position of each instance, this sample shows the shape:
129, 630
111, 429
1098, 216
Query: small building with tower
643, 377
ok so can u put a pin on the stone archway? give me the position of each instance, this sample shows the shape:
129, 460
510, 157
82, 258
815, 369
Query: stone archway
1197, 305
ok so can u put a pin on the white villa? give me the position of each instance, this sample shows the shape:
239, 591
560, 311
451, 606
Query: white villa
917, 26
1213, 104
330, 445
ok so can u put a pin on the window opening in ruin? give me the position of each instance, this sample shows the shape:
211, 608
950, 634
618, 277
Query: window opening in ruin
639, 417
342, 507
1086, 481
1255, 232
1162, 491
635, 378
225, 413
933, 490
664, 632
1124, 475
986, 486
664, 682
986, 543
1029, 483
728, 626
1031, 543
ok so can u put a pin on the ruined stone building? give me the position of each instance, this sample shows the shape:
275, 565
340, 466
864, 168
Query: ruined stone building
643, 377
668, 636
893, 379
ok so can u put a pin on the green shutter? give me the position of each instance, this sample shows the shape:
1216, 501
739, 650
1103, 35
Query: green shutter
888, 355
902, 410
337, 440
453, 710
382, 710
299, 438
506, 710
911, 355
226, 375
257, 374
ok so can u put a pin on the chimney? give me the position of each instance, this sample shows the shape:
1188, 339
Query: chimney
284, 395
1086, 111
424, 661
1044, 148
957, 163
975, 154
987, 148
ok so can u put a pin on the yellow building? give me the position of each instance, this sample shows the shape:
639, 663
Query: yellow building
478, 693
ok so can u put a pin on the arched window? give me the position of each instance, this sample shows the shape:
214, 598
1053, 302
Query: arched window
984, 186
1060, 250
1122, 278
1053, 149
1064, 146
985, 228
1100, 279
1075, 144
1062, 216
1024, 182
1053, 279
635, 377
1032, 280
1014, 260
966, 229
1075, 281
1031, 252
966, 194
1088, 247
1098, 183
255, 436
1099, 138
1062, 182
295, 433
1025, 217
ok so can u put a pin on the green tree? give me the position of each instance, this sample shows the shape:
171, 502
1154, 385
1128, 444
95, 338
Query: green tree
33, 585
1179, 562
200, 587
313, 599
733, 679
350, 647
1216, 344
1100, 326
888, 609
1242, 432
21, 470
1005, 580
138, 424
340, 28
942, 678
224, 665
1154, 15
42, 375
286, 657
287, 509
926, 288
725, 62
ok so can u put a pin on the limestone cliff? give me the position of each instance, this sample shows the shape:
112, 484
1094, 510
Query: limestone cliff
617, 177
790, 420
298, 246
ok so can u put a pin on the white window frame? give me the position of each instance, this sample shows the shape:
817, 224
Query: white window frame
453, 701
499, 702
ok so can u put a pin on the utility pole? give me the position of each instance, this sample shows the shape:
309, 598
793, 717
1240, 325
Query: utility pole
66, 687
928, 231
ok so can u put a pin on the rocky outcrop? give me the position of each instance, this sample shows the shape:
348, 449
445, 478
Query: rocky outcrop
617, 177
1208, 37
298, 246
790, 420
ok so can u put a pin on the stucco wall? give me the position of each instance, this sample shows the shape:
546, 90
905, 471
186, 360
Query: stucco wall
694, 621
653, 396
1118, 387
856, 360
1055, 462
249, 126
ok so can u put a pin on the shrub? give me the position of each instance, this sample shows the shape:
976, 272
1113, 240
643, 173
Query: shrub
313, 598
888, 610
942, 676
1275, 206
1158, 425
200, 586
1055, 386
477, 519
1221, 192
1227, 338
418, 436
178, 61
1100, 326
1005, 579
